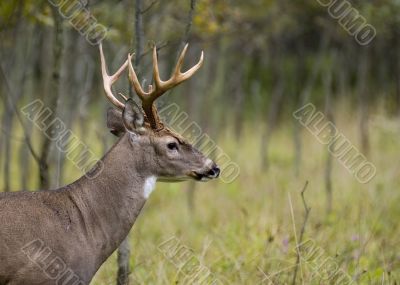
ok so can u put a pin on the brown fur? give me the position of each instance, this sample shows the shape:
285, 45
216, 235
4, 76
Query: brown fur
83, 223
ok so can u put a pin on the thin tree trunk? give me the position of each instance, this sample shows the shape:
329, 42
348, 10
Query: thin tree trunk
396, 74
44, 173
124, 249
304, 98
238, 97
191, 188
273, 110
7, 123
10, 100
397, 83
139, 31
75, 86
123, 261
343, 76
189, 22
329, 116
13, 99
363, 100
24, 156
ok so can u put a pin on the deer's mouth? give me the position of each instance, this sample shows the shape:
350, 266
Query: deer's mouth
197, 176
205, 176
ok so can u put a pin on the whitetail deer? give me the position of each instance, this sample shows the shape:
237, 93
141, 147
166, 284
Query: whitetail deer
63, 236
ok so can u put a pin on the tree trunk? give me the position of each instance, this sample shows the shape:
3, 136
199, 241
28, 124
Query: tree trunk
274, 106
124, 249
24, 152
123, 262
7, 127
185, 37
363, 100
12, 98
329, 116
76, 82
304, 99
192, 97
44, 173
238, 75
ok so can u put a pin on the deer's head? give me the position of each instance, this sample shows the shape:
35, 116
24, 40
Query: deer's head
162, 152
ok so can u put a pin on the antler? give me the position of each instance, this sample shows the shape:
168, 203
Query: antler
160, 87
108, 80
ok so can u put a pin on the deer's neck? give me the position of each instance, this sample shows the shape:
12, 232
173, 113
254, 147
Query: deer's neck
111, 202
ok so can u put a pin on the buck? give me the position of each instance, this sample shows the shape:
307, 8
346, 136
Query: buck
63, 236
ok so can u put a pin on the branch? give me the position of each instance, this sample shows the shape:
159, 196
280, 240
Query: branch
139, 32
159, 46
185, 36
144, 11
303, 228
189, 20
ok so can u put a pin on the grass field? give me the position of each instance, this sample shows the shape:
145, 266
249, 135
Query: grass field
243, 232
246, 232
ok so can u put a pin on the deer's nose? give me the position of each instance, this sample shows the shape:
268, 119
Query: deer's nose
214, 171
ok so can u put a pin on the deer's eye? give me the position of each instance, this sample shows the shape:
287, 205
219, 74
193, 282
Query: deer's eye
172, 146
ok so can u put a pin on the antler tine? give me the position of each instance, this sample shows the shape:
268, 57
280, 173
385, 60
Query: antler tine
160, 87
109, 80
144, 96
177, 77
189, 73
180, 60
156, 73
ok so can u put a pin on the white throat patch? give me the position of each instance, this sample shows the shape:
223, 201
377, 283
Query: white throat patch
149, 185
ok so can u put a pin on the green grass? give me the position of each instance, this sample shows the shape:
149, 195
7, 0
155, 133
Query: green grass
242, 229
236, 230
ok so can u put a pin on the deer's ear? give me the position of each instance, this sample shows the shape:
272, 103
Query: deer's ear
114, 122
132, 117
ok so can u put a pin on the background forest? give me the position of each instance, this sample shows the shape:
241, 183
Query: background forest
264, 59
